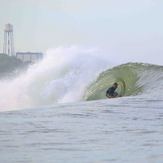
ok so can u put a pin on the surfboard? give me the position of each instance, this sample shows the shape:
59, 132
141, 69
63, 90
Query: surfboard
114, 97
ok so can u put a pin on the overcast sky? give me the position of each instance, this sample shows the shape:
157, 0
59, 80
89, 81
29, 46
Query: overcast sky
128, 30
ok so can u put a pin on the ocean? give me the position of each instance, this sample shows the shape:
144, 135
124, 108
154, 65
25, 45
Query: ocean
57, 111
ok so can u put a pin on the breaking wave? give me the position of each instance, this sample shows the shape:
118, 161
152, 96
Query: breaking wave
75, 74
133, 79
62, 76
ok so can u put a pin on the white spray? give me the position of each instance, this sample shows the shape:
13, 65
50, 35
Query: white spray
62, 76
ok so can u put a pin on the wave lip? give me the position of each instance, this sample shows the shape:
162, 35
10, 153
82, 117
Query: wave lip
133, 79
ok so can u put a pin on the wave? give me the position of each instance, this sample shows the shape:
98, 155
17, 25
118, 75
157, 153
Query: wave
133, 79
62, 76
76, 74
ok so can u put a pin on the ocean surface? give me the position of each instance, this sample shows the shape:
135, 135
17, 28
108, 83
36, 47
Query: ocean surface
127, 129
59, 113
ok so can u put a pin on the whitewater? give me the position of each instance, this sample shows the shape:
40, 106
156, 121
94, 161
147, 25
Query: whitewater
57, 111
62, 76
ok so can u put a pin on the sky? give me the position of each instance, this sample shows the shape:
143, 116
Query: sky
128, 30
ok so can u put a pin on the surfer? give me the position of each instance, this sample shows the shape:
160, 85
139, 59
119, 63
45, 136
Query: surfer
110, 93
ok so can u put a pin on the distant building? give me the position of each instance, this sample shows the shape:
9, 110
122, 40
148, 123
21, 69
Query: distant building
29, 57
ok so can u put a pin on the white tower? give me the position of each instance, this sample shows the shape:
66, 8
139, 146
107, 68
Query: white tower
8, 47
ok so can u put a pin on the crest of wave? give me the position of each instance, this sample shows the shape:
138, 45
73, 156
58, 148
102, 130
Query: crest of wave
62, 76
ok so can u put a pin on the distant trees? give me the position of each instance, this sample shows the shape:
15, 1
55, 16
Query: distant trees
10, 65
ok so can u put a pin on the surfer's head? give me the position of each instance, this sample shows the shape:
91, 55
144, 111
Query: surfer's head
115, 85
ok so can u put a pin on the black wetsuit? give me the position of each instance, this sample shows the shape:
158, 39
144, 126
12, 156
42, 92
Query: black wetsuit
111, 92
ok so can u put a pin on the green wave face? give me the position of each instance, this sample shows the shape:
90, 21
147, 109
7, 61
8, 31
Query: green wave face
127, 76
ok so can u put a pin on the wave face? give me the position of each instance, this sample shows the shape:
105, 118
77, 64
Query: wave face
133, 79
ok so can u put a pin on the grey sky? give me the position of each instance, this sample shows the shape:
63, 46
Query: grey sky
131, 30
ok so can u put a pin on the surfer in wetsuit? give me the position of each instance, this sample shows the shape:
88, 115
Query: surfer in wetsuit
110, 93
